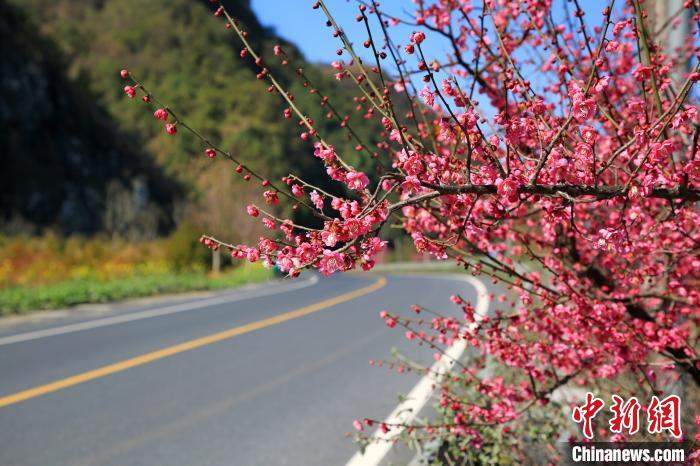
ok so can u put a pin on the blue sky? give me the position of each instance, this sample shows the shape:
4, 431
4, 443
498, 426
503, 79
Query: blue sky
297, 22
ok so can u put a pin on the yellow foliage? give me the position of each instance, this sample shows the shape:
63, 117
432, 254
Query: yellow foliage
51, 258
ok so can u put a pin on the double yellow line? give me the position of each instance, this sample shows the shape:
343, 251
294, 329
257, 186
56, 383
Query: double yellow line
186, 346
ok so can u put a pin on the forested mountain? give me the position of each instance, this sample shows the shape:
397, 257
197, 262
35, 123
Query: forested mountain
192, 63
64, 164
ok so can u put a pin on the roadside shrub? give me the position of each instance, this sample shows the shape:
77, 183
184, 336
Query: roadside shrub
182, 250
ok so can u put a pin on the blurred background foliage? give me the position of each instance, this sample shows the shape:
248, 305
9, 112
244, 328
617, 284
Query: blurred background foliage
54, 271
92, 186
192, 63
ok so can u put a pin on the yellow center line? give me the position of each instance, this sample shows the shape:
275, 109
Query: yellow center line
186, 346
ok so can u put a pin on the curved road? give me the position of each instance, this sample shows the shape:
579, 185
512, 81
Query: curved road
272, 375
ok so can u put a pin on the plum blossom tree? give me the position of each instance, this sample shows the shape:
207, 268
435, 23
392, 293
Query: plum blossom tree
563, 144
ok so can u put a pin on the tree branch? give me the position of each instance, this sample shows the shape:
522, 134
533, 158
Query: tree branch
599, 192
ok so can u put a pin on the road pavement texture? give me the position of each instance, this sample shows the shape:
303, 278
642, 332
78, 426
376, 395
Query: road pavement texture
272, 375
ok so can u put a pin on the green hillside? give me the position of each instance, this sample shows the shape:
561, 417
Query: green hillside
192, 62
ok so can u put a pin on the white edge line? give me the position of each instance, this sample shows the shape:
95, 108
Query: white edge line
419, 395
160, 311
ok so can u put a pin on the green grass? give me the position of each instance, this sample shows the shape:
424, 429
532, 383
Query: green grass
17, 300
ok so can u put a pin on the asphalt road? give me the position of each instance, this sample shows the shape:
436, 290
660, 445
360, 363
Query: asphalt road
266, 376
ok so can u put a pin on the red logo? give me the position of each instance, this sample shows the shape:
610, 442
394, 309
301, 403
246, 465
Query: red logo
662, 415
585, 414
